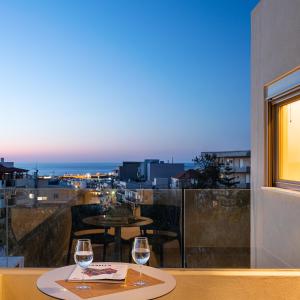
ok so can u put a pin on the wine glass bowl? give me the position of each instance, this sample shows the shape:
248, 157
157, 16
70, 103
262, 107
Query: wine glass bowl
140, 254
83, 257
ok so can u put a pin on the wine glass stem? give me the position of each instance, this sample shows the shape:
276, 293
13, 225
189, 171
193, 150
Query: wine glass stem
140, 272
82, 279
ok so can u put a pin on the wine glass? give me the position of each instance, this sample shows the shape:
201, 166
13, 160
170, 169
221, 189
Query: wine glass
140, 254
83, 257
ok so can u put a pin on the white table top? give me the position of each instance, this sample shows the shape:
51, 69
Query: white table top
47, 285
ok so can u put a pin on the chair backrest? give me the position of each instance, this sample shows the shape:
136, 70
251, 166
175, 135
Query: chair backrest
165, 217
121, 210
80, 212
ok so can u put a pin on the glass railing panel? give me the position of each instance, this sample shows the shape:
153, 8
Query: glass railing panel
3, 230
186, 228
164, 208
217, 228
42, 225
39, 225
160, 213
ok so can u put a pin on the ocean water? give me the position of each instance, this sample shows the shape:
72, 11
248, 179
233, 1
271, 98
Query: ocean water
58, 169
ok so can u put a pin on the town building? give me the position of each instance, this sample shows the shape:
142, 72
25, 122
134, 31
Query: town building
10, 176
185, 180
161, 183
143, 168
238, 161
7, 164
163, 170
129, 171
135, 184
150, 172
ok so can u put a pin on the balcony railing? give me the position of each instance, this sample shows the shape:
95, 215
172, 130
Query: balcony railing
190, 228
245, 169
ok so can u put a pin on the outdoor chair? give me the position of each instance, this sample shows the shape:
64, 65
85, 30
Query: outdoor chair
165, 227
80, 230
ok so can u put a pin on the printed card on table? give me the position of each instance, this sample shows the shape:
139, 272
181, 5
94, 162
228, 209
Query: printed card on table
100, 272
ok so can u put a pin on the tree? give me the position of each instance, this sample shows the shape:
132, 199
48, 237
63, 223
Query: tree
209, 171
227, 177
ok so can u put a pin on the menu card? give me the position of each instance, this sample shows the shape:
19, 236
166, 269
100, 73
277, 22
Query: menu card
100, 272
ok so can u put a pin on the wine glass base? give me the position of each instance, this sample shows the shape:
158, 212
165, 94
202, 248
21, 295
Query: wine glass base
140, 283
83, 287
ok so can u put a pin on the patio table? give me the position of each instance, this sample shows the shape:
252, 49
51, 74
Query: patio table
50, 284
117, 223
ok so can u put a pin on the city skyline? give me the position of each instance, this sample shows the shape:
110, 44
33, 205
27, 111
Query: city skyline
116, 80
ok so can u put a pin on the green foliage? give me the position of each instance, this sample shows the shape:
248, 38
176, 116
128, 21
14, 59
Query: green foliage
228, 180
209, 171
213, 174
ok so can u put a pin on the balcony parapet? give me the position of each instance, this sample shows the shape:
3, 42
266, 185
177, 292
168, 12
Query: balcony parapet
241, 169
17, 284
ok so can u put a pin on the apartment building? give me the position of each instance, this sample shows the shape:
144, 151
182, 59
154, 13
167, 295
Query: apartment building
239, 163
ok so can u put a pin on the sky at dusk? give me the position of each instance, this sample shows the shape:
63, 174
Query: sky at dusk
123, 79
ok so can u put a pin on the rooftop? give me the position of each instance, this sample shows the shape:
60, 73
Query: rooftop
189, 174
220, 154
6, 170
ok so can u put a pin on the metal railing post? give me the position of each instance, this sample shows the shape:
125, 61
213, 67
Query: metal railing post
183, 228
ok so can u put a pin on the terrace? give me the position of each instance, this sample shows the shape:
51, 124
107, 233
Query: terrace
214, 233
214, 260
217, 243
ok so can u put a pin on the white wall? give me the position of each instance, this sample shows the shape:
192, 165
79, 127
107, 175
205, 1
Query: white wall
275, 213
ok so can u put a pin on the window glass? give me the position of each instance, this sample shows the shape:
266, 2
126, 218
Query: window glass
241, 163
289, 141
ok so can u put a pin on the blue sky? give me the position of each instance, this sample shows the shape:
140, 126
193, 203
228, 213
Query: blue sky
124, 79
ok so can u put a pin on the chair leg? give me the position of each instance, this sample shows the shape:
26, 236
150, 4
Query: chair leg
104, 251
69, 250
129, 253
180, 246
161, 253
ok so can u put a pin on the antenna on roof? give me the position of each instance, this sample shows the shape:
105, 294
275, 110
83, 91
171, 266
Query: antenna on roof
172, 160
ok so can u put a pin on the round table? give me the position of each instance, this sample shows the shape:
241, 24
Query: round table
105, 221
47, 285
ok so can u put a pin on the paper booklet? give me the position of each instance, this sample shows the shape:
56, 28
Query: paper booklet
100, 272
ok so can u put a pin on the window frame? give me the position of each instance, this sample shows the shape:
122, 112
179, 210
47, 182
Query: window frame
273, 106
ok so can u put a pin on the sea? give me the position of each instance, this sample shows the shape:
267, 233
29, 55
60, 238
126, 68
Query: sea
59, 169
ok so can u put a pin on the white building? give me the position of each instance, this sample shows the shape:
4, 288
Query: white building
10, 176
161, 183
238, 161
135, 185
275, 176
